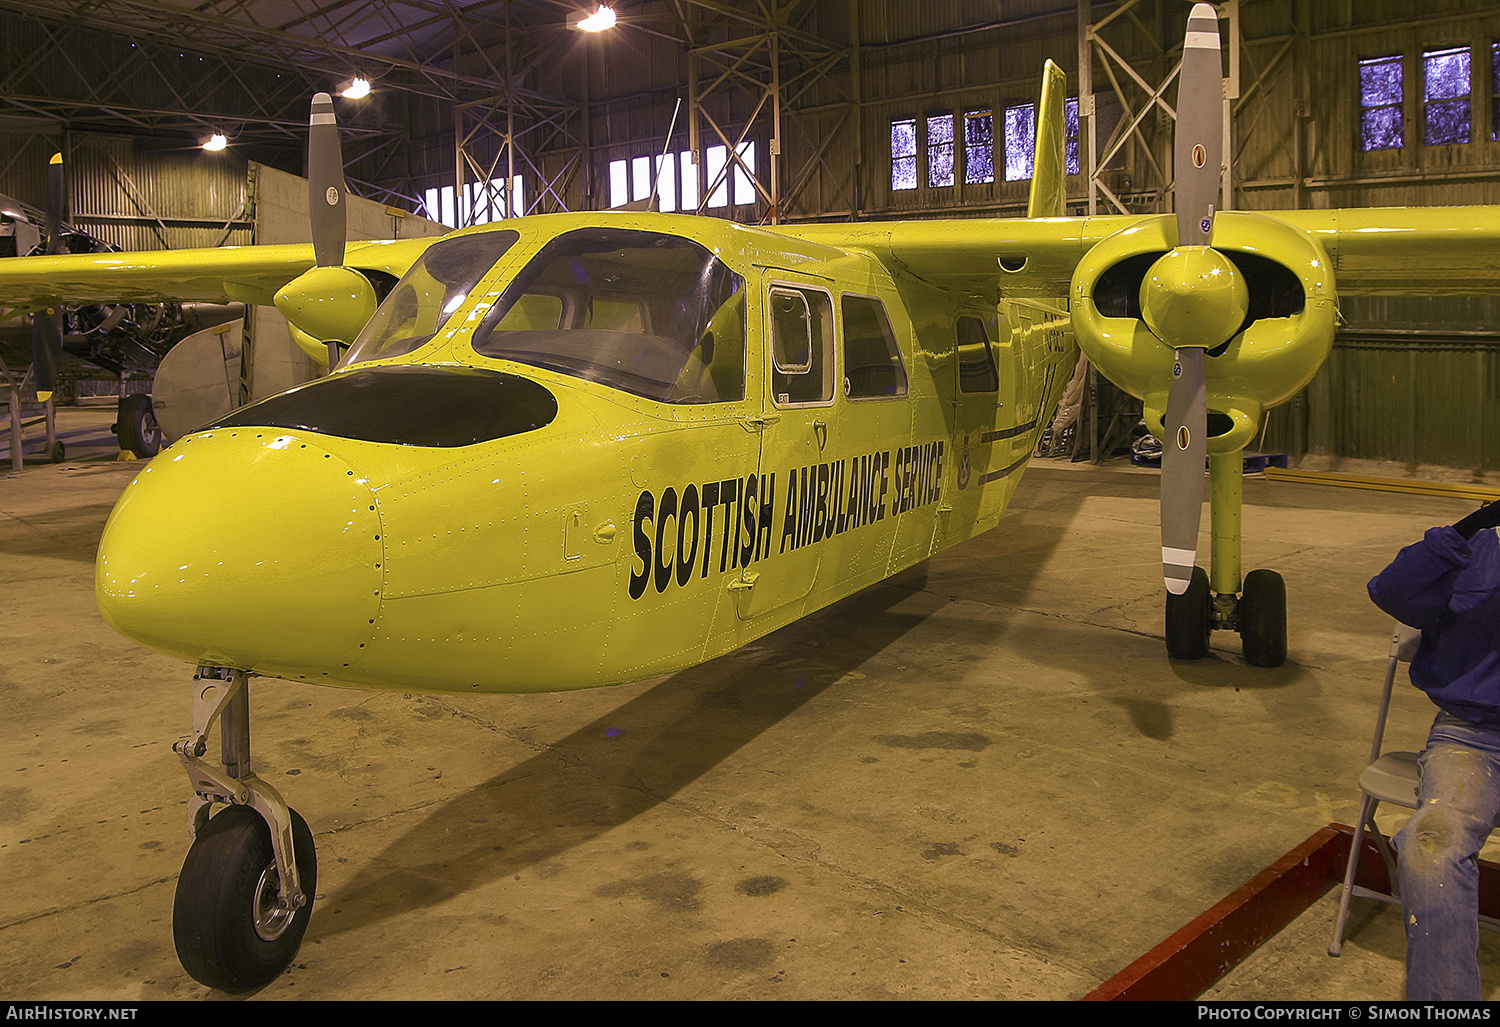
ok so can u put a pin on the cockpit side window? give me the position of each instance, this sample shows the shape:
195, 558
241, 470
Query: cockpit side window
650, 314
424, 298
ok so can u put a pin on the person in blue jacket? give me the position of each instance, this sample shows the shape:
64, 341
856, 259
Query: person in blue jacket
1448, 585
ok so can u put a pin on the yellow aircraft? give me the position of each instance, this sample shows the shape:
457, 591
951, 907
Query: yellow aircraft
582, 449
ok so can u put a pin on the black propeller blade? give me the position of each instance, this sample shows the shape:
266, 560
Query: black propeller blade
325, 183
329, 303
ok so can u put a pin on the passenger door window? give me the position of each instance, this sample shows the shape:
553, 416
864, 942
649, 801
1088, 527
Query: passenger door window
872, 359
801, 346
976, 358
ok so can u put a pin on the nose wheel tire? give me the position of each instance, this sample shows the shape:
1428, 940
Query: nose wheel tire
1263, 619
230, 927
1189, 619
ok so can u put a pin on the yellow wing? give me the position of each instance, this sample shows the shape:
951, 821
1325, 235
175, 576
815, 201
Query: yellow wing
249, 274
1401, 251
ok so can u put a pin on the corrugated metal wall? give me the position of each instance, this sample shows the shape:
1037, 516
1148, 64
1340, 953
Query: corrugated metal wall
158, 200
133, 197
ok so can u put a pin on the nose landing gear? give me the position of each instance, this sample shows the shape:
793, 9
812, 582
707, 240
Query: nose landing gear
245, 892
1258, 614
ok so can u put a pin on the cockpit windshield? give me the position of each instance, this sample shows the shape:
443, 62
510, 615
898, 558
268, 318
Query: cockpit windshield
436, 286
650, 314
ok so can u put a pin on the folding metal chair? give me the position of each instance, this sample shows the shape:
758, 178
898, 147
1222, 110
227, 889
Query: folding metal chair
1391, 777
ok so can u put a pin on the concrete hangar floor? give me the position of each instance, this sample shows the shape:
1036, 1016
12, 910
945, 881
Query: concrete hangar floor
982, 780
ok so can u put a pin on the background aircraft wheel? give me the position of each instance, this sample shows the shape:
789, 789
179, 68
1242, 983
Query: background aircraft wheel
231, 933
137, 426
1190, 619
1263, 619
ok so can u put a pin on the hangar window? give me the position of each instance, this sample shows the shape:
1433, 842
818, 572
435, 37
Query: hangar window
676, 180
1020, 139
480, 203
737, 173
979, 147
904, 154
1381, 95
939, 151
1445, 96
872, 360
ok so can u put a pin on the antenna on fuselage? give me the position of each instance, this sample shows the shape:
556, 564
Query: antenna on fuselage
666, 146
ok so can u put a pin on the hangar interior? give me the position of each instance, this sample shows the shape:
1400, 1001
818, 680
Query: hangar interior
983, 779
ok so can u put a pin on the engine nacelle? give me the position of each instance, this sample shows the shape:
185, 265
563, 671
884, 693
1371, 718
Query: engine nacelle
1286, 335
327, 304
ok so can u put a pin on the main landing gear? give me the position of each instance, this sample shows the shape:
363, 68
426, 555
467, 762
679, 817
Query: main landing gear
246, 889
1258, 614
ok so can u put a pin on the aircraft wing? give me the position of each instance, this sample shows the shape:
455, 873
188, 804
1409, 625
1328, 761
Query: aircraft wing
1421, 251
250, 274
1024, 256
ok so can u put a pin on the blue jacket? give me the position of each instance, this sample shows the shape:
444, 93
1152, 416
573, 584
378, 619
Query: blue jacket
1450, 588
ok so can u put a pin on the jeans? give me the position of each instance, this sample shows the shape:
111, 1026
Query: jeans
1439, 851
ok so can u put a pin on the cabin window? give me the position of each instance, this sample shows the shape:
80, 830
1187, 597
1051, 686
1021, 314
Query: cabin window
976, 358
654, 315
437, 285
801, 346
872, 359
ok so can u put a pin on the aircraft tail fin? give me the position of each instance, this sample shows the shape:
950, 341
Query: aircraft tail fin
1049, 171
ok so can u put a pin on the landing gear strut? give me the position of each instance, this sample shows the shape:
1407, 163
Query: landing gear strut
245, 893
1256, 609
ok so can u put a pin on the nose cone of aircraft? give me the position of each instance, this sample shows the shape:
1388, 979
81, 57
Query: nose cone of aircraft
1194, 296
245, 548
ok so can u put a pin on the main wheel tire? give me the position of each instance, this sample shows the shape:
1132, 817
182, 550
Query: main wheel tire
137, 428
1190, 619
1263, 619
228, 928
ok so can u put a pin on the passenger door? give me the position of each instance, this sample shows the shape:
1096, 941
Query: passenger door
780, 554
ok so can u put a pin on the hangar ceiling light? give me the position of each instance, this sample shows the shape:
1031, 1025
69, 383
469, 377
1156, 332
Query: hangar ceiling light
601, 19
